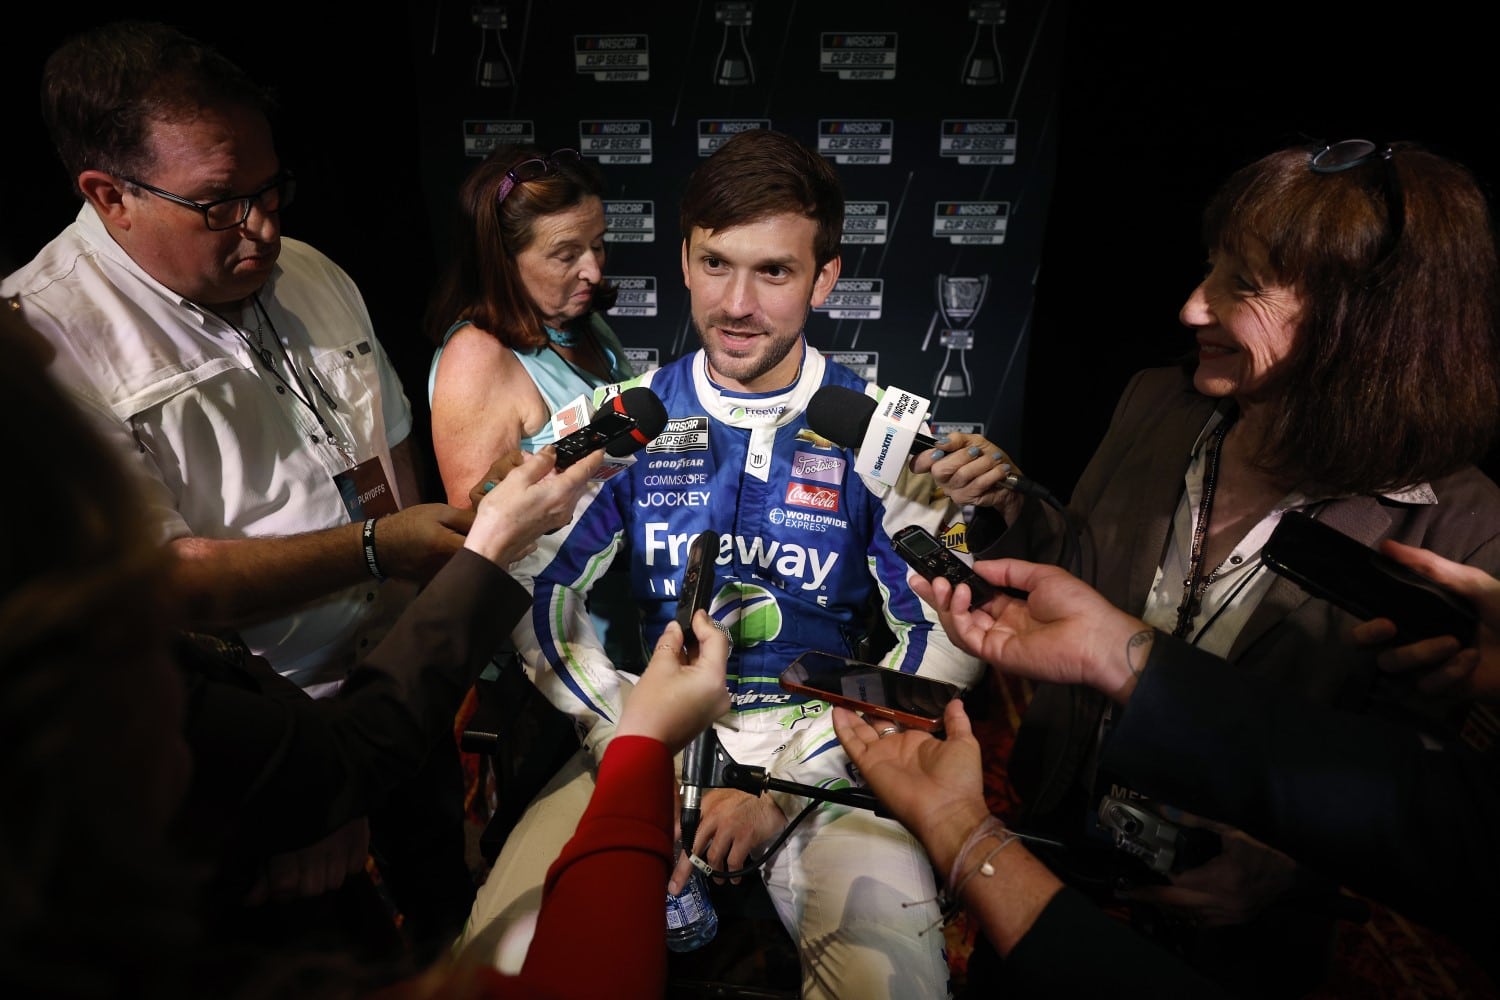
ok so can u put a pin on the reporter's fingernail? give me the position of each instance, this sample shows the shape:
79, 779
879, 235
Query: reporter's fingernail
938, 453
489, 484
974, 451
998, 456
941, 440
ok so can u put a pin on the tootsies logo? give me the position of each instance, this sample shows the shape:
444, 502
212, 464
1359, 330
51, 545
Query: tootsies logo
818, 468
817, 497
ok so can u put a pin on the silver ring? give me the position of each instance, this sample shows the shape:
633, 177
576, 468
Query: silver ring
888, 730
723, 630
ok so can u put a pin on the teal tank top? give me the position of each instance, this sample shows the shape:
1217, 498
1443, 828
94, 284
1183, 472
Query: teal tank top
558, 381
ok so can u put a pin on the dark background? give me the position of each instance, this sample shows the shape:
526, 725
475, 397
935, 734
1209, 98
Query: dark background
1154, 110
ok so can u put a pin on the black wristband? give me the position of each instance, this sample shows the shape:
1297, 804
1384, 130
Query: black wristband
370, 560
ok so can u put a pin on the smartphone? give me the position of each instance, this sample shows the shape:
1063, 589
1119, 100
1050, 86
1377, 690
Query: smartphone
1343, 571
870, 689
697, 585
931, 558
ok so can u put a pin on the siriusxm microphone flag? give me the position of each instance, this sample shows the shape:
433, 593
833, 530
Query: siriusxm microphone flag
899, 416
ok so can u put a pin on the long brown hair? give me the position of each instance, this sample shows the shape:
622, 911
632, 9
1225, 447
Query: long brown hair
481, 282
1394, 377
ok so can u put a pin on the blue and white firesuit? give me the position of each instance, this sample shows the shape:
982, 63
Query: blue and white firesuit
805, 553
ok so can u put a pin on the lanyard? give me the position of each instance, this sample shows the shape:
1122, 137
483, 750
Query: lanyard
1197, 582
299, 391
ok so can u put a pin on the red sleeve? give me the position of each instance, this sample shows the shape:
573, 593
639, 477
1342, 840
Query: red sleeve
602, 930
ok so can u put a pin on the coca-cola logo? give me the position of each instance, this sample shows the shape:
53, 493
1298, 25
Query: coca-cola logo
816, 497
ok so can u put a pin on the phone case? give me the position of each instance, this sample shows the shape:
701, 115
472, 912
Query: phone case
1368, 584
697, 584
912, 701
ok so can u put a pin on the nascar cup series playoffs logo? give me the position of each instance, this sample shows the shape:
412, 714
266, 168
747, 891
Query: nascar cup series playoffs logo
750, 611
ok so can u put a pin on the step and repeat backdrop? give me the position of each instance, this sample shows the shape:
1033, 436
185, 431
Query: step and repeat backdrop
940, 119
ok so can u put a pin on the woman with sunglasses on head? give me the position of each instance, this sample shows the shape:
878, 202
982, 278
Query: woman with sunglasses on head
517, 313
1345, 365
516, 317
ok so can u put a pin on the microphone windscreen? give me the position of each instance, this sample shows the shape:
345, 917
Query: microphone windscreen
644, 407
841, 415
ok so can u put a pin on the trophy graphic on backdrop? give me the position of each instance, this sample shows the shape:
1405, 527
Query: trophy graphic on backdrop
982, 66
492, 67
732, 67
958, 303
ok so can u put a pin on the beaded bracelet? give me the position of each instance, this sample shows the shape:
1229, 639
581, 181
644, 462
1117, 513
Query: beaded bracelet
370, 560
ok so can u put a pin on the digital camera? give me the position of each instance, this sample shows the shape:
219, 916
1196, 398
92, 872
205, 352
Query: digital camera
1157, 843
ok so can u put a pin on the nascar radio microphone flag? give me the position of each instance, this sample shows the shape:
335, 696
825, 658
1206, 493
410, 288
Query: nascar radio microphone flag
894, 428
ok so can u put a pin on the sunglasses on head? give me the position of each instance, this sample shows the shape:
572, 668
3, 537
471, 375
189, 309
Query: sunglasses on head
1337, 157
530, 170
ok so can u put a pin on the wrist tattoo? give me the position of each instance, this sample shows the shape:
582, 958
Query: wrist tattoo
1138, 646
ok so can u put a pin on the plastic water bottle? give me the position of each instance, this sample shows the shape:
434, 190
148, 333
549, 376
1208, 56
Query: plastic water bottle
692, 920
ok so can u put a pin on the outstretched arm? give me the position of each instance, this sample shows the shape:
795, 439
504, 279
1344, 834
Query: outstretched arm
228, 582
1443, 663
1053, 940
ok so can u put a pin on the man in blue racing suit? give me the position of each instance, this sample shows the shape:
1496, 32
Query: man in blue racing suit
805, 552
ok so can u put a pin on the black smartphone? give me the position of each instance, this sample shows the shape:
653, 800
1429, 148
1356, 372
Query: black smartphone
697, 585
1343, 571
914, 702
927, 555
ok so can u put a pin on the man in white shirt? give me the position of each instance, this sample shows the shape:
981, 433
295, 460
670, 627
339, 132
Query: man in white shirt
238, 373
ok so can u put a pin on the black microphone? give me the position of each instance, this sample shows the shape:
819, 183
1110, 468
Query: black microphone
698, 760
625, 424
843, 415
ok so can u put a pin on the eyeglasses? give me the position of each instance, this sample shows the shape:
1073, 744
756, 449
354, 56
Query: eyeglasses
227, 213
530, 170
1340, 156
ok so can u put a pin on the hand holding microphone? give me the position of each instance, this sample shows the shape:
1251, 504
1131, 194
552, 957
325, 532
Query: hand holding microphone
624, 424
969, 468
678, 696
696, 594
523, 502
972, 470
